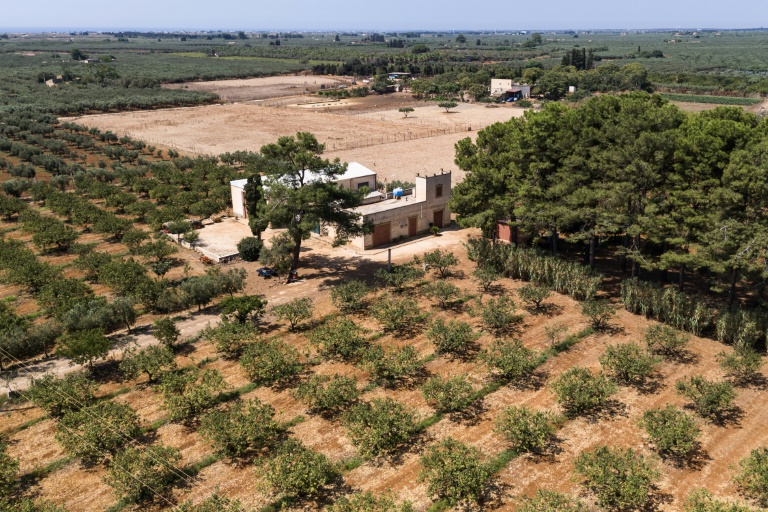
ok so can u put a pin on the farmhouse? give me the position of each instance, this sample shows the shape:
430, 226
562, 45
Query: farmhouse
506, 89
394, 216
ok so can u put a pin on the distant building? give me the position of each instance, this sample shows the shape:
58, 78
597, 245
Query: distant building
506, 89
393, 218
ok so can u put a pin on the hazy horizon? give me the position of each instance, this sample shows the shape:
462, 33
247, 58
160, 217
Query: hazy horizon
396, 15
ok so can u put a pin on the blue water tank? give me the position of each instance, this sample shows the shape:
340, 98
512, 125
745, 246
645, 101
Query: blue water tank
398, 192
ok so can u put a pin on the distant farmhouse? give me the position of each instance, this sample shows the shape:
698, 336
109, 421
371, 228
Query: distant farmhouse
395, 216
506, 89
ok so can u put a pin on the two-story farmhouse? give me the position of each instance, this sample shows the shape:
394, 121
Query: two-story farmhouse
394, 217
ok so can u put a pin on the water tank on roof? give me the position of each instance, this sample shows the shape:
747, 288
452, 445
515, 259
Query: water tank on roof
398, 192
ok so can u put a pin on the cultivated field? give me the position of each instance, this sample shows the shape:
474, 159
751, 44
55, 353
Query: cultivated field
249, 89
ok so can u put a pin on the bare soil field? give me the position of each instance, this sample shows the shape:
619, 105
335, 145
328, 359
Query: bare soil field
262, 88
722, 445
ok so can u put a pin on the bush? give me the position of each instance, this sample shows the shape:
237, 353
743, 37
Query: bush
455, 337
665, 340
533, 295
441, 261
9, 468
297, 470
628, 363
448, 395
671, 431
486, 275
82, 347
391, 365
599, 312
443, 293
380, 426
399, 277
710, 399
621, 479
244, 428
454, 472
397, 315
270, 362
580, 392
499, 315
327, 395
215, 503
230, 338
295, 311
526, 430
136, 474
743, 364
341, 339
701, 500
349, 296
166, 331
153, 360
752, 477
102, 428
189, 391
551, 501
250, 248
58, 397
369, 502
243, 309
510, 359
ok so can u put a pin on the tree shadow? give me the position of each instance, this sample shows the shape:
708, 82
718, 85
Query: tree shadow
107, 371
694, 461
470, 415
758, 381
683, 356
531, 382
611, 409
650, 385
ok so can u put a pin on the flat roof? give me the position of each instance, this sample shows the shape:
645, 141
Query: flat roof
389, 204
354, 170
239, 183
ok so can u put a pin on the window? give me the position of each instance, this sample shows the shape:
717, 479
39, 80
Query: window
363, 184
439, 190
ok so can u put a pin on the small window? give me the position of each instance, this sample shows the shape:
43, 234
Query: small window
439, 190
363, 184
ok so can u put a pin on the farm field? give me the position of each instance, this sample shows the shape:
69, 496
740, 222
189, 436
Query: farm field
722, 445
249, 89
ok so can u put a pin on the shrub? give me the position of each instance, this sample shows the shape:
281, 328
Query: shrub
243, 309
57, 397
243, 428
327, 395
701, 500
297, 470
369, 502
153, 360
499, 315
9, 468
215, 503
555, 333
380, 426
525, 429
455, 337
391, 365
628, 363
579, 392
447, 395
533, 295
441, 261
599, 312
621, 479
510, 359
752, 477
189, 391
486, 275
397, 315
349, 296
399, 277
671, 431
710, 399
166, 331
743, 364
443, 293
341, 338
454, 471
665, 340
551, 501
295, 311
136, 474
250, 248
99, 429
82, 347
230, 338
270, 362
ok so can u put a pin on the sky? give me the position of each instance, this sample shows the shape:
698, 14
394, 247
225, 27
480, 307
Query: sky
381, 15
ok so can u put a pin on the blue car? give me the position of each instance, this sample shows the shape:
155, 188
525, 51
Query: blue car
266, 273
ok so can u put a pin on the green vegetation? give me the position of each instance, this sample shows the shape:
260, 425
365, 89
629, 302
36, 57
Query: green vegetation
341, 339
296, 470
621, 479
454, 337
369, 502
380, 426
581, 392
327, 395
716, 100
349, 296
710, 399
627, 363
96, 431
187, 392
551, 501
454, 471
671, 430
137, 474
241, 429
448, 395
270, 362
526, 430
295, 311
752, 477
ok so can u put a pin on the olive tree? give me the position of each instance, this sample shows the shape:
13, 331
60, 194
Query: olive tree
100, 429
380, 426
243, 428
525, 429
136, 474
455, 472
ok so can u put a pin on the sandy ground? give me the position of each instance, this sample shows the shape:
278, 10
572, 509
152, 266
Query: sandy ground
262, 88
